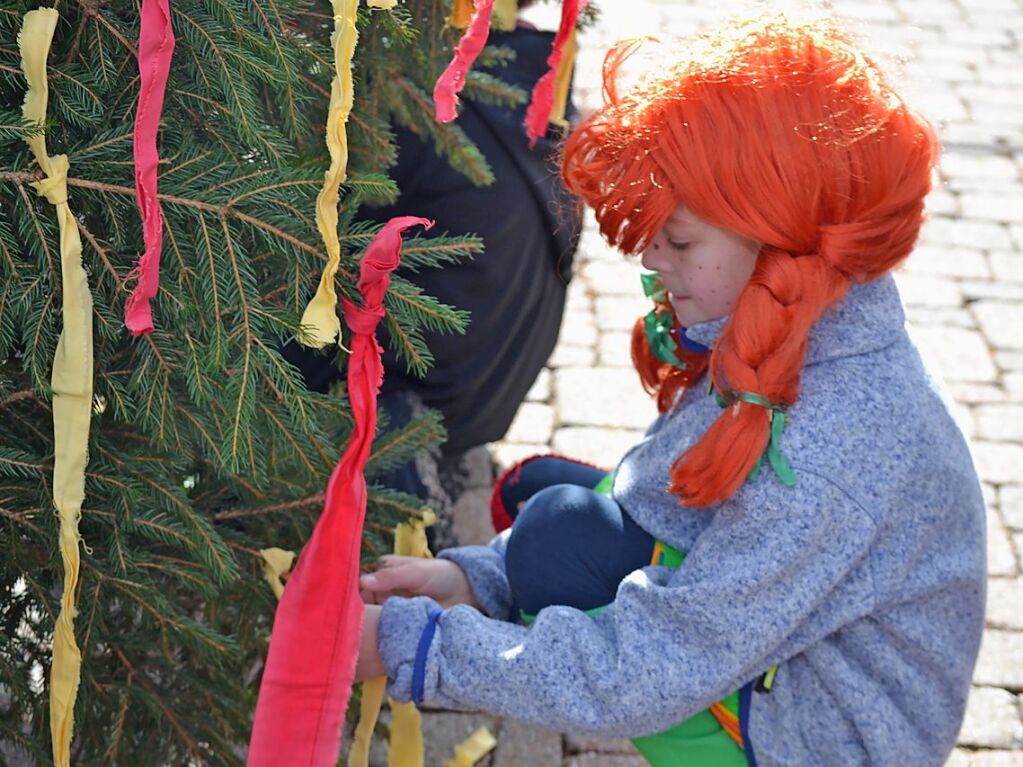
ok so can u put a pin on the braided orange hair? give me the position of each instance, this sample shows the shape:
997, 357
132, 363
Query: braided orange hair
786, 133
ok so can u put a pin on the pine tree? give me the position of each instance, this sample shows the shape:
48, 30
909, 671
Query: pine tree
205, 445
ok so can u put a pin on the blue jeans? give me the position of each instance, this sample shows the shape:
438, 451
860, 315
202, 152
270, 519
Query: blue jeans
568, 545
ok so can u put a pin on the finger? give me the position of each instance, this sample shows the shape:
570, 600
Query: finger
403, 578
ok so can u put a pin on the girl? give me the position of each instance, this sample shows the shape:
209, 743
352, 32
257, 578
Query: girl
792, 567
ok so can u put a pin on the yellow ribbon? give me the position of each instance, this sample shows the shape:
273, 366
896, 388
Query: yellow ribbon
504, 18
320, 323
505, 15
562, 80
71, 380
384, 4
406, 748
472, 749
276, 564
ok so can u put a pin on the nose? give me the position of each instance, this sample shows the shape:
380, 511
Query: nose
655, 257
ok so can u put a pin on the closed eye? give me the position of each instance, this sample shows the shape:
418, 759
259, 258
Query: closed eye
678, 245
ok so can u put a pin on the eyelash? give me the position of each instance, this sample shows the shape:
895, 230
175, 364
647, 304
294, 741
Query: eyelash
678, 245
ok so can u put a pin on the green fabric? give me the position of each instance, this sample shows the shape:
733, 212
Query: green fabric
604, 486
699, 741
659, 322
779, 464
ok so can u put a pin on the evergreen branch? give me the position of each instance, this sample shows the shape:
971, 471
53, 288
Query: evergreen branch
300, 503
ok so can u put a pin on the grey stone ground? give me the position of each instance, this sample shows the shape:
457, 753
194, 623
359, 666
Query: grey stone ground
961, 64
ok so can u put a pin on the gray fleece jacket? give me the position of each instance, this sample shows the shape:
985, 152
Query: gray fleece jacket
864, 583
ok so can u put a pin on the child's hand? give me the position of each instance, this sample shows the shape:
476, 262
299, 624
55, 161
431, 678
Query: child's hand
369, 664
439, 579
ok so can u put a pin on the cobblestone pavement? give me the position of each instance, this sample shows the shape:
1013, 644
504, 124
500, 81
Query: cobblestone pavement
961, 64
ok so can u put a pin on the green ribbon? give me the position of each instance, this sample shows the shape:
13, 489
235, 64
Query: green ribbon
778, 421
658, 322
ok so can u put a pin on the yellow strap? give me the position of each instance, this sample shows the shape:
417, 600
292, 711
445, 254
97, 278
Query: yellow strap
505, 15
472, 749
276, 564
461, 13
372, 698
71, 381
406, 748
562, 80
385, 4
320, 323
504, 18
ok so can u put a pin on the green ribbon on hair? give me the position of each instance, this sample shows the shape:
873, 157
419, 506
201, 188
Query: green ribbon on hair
773, 453
658, 322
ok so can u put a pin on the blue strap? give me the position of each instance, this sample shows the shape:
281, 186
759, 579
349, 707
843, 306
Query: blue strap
419, 667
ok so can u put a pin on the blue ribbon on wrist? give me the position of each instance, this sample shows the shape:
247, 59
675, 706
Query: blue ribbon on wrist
419, 666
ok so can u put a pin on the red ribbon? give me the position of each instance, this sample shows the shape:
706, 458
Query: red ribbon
451, 82
315, 642
538, 114
156, 44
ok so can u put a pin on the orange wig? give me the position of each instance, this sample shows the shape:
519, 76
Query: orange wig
786, 133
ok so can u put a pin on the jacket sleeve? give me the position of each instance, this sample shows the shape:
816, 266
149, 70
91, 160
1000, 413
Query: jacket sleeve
759, 585
484, 567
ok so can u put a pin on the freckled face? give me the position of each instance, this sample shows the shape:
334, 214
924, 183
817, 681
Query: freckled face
703, 267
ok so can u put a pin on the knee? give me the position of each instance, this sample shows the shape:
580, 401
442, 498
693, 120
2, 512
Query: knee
541, 548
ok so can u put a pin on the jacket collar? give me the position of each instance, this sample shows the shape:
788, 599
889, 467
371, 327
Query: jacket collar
870, 317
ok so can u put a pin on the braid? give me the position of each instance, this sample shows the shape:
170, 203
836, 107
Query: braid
761, 351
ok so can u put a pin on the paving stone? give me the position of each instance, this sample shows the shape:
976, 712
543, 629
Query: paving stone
1005, 603
1010, 502
620, 312
606, 760
1000, 423
926, 315
581, 743
1001, 660
1001, 558
534, 422
977, 165
968, 234
996, 114
963, 758
949, 261
602, 447
507, 454
1007, 266
927, 290
1013, 383
471, 522
992, 719
521, 744
992, 207
954, 353
1016, 231
615, 349
1009, 360
1002, 323
977, 291
540, 391
566, 355
578, 328
1000, 73
998, 462
985, 38
443, 730
604, 397
613, 278
578, 297
941, 202
971, 393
